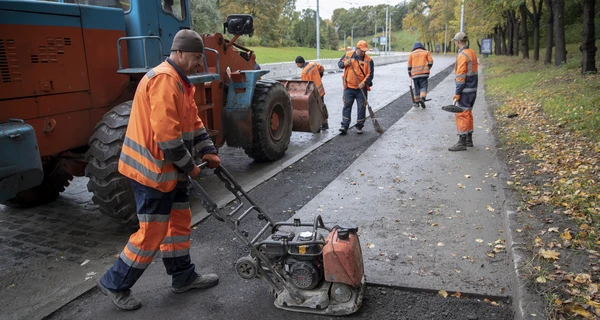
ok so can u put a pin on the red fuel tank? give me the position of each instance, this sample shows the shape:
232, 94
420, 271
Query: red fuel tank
342, 257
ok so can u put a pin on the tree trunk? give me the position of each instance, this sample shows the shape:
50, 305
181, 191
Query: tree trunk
549, 32
524, 33
509, 31
535, 21
588, 47
497, 47
560, 45
503, 40
515, 33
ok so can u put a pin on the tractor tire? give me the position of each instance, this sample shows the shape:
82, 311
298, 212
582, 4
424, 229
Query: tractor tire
56, 179
271, 121
112, 191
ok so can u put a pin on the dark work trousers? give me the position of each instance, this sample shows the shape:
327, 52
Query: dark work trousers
165, 220
349, 96
420, 88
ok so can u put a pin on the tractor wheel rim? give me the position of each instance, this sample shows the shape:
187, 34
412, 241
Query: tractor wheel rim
277, 127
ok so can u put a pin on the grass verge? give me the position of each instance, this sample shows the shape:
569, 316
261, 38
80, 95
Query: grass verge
548, 124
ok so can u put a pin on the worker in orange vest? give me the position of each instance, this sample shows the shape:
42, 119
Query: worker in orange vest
163, 134
465, 71
312, 71
419, 65
358, 80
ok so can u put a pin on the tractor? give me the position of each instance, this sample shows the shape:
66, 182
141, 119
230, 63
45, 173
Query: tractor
69, 70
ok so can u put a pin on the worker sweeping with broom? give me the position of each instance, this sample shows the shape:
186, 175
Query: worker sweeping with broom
358, 79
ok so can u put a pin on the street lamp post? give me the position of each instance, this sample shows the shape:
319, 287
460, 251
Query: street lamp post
352, 37
318, 34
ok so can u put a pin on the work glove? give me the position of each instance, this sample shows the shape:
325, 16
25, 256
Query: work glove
348, 62
212, 159
456, 98
361, 85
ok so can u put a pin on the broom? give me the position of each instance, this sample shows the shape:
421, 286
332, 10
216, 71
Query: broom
376, 124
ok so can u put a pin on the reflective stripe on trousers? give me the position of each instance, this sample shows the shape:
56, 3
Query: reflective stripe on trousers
165, 220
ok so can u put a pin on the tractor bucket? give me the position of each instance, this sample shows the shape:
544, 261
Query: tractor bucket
306, 104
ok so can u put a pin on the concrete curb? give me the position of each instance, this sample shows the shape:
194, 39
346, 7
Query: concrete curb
525, 304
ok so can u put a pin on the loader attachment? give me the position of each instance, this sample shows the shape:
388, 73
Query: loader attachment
306, 104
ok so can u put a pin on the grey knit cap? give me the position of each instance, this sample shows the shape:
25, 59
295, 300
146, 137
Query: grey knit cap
187, 41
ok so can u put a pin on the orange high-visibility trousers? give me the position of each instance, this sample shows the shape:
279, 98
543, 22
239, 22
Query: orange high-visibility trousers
464, 122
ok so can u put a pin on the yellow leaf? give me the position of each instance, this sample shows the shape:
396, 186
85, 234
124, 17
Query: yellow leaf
519, 230
583, 278
456, 294
540, 279
553, 229
509, 182
581, 311
490, 209
549, 254
584, 227
479, 240
443, 293
494, 303
434, 224
440, 244
594, 304
566, 235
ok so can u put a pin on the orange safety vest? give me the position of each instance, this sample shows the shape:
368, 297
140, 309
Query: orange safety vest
362, 70
312, 72
163, 112
418, 63
465, 70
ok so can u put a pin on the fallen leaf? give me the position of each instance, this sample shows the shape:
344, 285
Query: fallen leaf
553, 229
566, 235
434, 224
479, 240
494, 303
581, 311
519, 230
468, 176
583, 278
443, 293
440, 244
490, 209
456, 294
584, 227
370, 245
509, 183
540, 279
478, 189
549, 254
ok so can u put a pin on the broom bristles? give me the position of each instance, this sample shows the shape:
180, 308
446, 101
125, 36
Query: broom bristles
377, 126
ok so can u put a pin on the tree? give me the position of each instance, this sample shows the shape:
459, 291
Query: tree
549, 32
560, 45
524, 35
588, 47
535, 17
206, 17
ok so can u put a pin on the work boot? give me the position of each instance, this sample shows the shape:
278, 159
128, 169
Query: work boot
460, 145
202, 282
422, 102
123, 300
359, 130
325, 126
469, 141
343, 130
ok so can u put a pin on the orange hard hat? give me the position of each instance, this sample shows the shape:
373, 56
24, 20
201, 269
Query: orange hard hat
362, 45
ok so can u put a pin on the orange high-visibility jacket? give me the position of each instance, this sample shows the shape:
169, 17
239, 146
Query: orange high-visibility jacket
419, 63
163, 129
361, 68
312, 72
465, 70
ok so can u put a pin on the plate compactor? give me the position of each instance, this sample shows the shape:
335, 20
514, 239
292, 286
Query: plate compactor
310, 267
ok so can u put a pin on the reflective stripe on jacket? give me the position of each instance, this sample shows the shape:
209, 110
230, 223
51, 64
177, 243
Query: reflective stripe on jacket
362, 68
465, 70
312, 72
419, 63
163, 129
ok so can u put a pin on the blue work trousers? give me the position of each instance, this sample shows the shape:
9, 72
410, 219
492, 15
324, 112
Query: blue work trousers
349, 96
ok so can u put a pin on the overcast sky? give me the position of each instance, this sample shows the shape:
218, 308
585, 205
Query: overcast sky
326, 7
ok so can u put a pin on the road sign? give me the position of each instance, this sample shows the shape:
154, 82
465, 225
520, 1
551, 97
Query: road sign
486, 46
382, 39
375, 40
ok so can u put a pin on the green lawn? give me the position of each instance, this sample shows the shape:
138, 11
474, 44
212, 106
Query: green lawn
287, 54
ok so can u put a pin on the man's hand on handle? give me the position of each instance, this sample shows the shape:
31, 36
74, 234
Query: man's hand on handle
212, 159
456, 98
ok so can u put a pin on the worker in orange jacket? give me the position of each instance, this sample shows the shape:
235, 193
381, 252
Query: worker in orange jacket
358, 80
465, 93
312, 71
163, 134
419, 65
